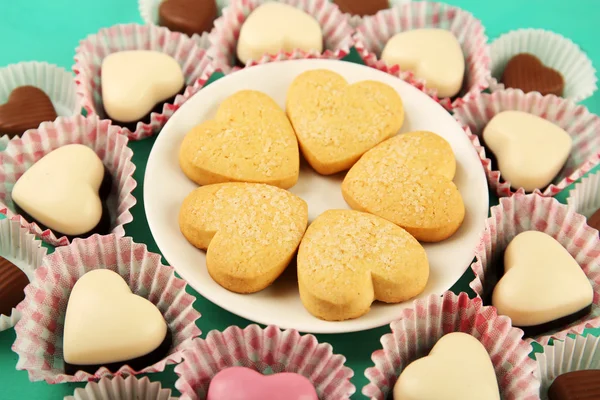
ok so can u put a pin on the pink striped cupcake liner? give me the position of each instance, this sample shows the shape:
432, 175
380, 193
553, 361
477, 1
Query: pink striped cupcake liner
419, 328
39, 341
373, 33
269, 350
192, 58
336, 28
584, 197
532, 212
578, 121
105, 139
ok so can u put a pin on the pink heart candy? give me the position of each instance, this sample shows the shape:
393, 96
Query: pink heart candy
240, 383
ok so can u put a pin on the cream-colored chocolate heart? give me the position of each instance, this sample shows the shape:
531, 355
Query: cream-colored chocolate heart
106, 323
457, 368
336, 123
135, 81
61, 190
434, 55
249, 140
273, 27
530, 150
541, 283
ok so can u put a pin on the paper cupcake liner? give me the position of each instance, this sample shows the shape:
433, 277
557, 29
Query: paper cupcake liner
21, 248
531, 212
118, 388
269, 350
55, 81
580, 124
92, 50
419, 328
554, 51
572, 354
40, 331
105, 139
374, 32
584, 198
337, 33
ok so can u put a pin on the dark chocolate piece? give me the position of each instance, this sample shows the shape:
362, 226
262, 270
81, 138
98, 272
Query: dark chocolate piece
137, 364
12, 283
576, 385
526, 72
188, 16
362, 7
27, 107
594, 220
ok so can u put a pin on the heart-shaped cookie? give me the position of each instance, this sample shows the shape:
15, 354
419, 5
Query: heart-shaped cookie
542, 282
65, 191
250, 231
457, 368
526, 72
135, 81
273, 27
240, 383
433, 55
408, 180
530, 150
348, 259
336, 123
249, 140
105, 323
27, 107
187, 16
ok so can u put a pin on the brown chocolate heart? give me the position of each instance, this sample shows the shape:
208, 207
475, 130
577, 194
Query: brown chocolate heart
362, 7
12, 283
526, 72
27, 107
594, 220
584, 384
187, 16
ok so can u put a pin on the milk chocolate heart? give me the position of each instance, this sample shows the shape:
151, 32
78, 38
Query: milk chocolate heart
576, 385
362, 7
240, 383
27, 107
526, 72
12, 283
187, 16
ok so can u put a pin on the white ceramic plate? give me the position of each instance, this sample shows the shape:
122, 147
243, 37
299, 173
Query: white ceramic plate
165, 187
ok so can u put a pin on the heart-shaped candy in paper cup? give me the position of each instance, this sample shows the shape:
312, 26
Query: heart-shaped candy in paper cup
421, 326
268, 351
582, 126
45, 305
532, 212
106, 140
190, 56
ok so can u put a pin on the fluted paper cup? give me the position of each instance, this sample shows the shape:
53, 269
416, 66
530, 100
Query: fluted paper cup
531, 212
419, 328
39, 342
584, 198
554, 51
268, 350
118, 388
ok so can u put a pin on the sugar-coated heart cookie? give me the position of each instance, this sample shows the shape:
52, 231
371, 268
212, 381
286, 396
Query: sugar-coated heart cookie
542, 282
336, 122
348, 259
530, 150
408, 180
434, 55
240, 383
249, 140
250, 231
105, 323
273, 27
187, 16
526, 72
457, 368
135, 81
27, 107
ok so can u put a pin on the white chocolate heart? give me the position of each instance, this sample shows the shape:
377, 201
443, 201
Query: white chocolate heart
135, 81
106, 323
530, 150
541, 281
273, 27
61, 190
457, 368
434, 55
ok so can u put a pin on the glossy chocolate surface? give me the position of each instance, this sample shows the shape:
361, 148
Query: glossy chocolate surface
12, 283
27, 107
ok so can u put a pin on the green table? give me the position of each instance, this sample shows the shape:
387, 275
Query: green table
50, 30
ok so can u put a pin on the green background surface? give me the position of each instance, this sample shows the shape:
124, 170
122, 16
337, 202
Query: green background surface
49, 30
